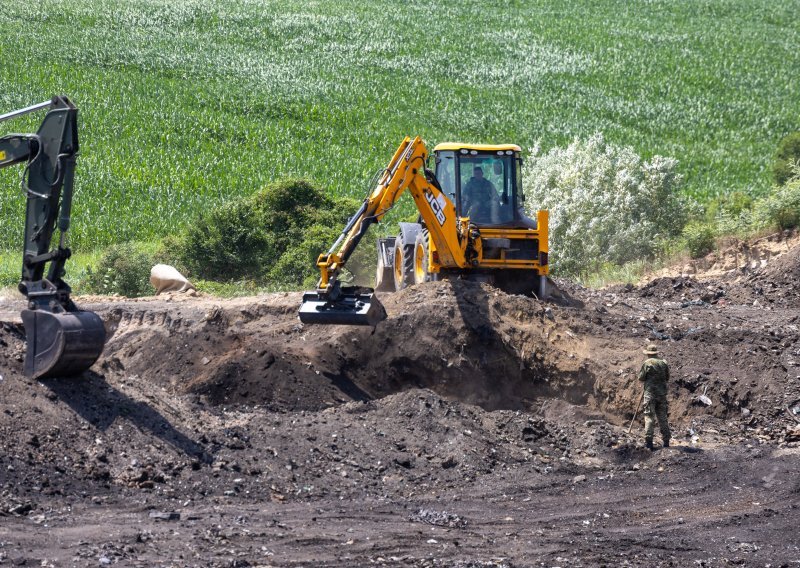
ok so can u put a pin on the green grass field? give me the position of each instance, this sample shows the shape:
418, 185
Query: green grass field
185, 104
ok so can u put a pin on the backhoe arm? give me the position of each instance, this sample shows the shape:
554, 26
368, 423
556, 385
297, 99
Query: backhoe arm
61, 338
404, 172
332, 304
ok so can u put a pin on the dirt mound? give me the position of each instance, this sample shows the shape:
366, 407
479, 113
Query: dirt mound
461, 339
760, 272
468, 411
733, 258
773, 284
467, 342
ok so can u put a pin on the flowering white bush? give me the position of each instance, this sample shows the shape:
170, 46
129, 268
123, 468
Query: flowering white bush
606, 204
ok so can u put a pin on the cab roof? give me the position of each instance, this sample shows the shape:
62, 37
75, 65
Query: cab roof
479, 147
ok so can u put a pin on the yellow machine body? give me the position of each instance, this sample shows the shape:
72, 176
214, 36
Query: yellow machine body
469, 226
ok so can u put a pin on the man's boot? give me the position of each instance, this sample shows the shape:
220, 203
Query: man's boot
648, 443
666, 443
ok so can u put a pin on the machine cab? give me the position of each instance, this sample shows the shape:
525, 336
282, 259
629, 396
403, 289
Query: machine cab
483, 181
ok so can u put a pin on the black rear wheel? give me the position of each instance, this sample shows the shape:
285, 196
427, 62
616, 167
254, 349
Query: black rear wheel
404, 255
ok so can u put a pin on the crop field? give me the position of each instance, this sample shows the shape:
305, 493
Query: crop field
185, 104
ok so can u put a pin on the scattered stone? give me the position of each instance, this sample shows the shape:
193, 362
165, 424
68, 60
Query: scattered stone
439, 518
165, 516
705, 400
747, 547
21, 509
449, 462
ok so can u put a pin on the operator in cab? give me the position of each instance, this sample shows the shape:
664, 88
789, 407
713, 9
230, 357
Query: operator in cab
480, 197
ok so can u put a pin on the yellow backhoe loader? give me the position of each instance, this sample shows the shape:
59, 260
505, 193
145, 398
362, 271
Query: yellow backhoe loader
471, 225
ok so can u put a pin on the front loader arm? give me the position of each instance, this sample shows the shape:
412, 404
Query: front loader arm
375, 206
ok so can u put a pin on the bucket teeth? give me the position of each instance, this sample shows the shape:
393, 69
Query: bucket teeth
354, 306
62, 344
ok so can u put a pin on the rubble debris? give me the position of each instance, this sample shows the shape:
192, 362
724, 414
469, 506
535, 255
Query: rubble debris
165, 516
439, 518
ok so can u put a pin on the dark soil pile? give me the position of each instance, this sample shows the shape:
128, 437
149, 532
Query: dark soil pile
471, 428
773, 285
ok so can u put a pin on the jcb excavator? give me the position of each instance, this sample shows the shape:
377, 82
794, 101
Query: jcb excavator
61, 339
471, 225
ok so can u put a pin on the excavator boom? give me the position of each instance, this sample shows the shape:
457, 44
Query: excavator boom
61, 339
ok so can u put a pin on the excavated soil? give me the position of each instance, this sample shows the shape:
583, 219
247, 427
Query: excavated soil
472, 428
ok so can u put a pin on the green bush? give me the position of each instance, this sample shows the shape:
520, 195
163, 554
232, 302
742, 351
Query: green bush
699, 238
786, 158
781, 208
741, 225
298, 264
10, 269
168, 252
227, 243
731, 205
230, 289
123, 269
271, 237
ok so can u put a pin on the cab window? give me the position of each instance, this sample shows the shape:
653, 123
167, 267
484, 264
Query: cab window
446, 174
486, 184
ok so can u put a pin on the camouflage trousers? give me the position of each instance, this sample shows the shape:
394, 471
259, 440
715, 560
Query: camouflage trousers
655, 408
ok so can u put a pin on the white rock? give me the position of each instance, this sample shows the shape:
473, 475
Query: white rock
166, 278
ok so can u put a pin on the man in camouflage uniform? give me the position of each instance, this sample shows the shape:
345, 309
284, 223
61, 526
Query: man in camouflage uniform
654, 374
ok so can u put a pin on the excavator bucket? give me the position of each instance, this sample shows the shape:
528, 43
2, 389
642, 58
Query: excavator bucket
61, 344
353, 306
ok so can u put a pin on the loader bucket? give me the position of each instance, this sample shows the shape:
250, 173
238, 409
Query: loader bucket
354, 306
61, 344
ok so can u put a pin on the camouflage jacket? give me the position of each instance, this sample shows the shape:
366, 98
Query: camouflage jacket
655, 375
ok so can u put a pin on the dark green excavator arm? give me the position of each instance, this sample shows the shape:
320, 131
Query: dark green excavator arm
62, 340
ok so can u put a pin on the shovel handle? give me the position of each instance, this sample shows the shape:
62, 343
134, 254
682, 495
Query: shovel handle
635, 413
